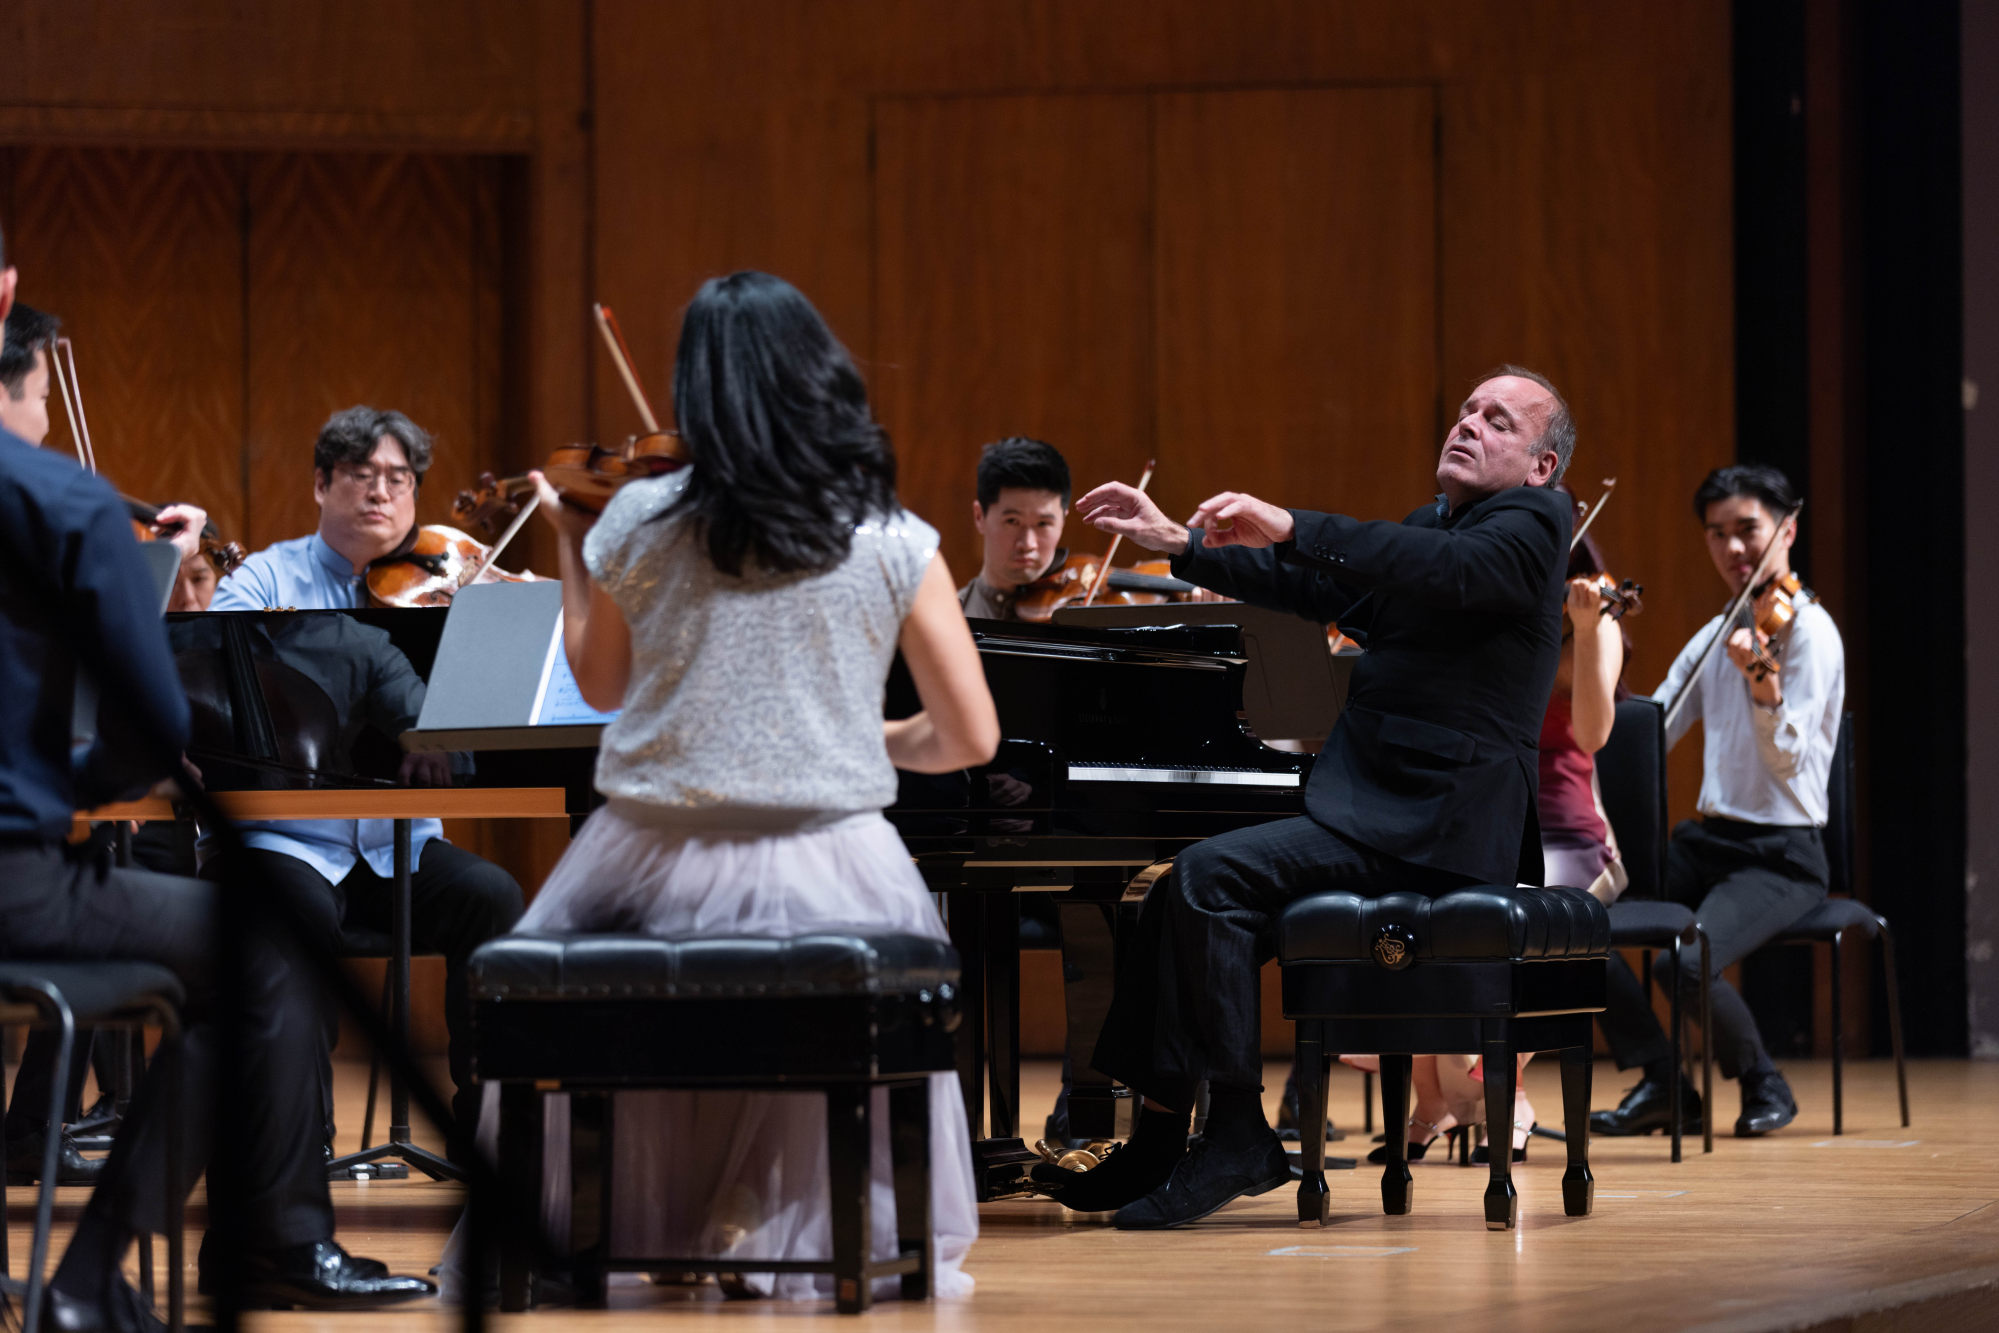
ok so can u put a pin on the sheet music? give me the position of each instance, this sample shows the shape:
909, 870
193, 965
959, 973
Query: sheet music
558, 701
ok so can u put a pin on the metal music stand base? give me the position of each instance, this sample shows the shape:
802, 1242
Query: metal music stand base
391, 1160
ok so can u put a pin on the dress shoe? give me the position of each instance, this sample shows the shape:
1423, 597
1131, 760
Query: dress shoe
24, 1161
1208, 1177
320, 1275
1646, 1108
1767, 1104
357, 1266
1130, 1173
120, 1310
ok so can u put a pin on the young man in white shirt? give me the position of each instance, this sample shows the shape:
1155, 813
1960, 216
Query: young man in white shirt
1754, 863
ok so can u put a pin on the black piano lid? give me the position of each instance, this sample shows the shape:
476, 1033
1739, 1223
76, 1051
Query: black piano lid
1204, 647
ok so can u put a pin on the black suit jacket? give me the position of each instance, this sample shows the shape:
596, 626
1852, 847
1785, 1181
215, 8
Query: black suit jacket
1434, 760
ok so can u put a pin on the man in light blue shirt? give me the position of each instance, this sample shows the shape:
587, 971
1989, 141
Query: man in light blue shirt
367, 466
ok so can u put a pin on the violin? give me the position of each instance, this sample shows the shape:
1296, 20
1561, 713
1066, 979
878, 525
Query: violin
224, 555
586, 476
1621, 597
1147, 583
1774, 623
431, 565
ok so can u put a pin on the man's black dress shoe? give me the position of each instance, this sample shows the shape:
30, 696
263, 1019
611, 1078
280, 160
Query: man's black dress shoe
24, 1161
1767, 1104
1205, 1179
120, 1310
322, 1276
1132, 1172
1646, 1108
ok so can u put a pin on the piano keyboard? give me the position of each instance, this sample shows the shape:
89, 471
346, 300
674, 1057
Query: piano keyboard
1223, 777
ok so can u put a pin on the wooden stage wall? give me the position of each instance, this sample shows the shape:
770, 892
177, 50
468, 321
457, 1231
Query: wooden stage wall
1268, 243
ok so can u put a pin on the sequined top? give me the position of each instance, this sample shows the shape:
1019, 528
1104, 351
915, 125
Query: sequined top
760, 691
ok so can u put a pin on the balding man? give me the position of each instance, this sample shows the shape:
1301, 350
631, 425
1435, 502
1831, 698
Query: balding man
1427, 782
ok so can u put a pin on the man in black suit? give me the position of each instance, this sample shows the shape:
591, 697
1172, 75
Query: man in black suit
1427, 782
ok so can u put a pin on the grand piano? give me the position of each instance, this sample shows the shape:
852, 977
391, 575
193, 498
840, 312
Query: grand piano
1128, 733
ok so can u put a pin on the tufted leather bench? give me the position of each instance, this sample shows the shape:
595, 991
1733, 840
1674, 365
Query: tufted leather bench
1496, 971
834, 1012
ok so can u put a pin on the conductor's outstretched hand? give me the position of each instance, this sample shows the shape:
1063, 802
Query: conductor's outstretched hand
1130, 512
1235, 519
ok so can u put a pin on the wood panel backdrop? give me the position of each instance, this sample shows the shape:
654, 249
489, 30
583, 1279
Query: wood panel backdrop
1269, 243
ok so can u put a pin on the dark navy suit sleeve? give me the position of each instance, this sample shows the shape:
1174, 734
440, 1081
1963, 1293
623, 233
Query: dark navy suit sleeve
121, 642
1496, 559
1264, 578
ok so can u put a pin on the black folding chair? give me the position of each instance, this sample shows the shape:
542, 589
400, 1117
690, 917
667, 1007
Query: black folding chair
1829, 922
1631, 774
67, 996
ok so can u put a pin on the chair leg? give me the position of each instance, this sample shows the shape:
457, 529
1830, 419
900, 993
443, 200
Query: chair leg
849, 1138
1578, 1185
176, 1071
590, 1194
909, 1150
1707, 1040
1502, 1203
1678, 1029
1315, 1204
520, 1167
1367, 1102
56, 1010
1894, 1014
1838, 1037
1396, 1071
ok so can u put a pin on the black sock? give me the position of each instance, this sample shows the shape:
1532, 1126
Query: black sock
91, 1265
1659, 1071
1235, 1116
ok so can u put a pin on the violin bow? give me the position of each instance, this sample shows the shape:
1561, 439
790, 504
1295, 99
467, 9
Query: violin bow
1727, 625
1104, 570
1589, 515
493, 553
72, 400
621, 357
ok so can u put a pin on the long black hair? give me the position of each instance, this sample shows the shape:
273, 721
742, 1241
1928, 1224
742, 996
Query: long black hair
786, 457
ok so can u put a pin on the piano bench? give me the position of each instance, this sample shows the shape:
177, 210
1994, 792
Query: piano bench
1489, 970
837, 1013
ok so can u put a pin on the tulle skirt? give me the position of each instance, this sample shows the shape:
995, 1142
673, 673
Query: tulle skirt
715, 1174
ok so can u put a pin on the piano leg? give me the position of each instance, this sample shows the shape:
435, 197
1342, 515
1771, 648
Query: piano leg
966, 920
1003, 1011
1098, 1107
985, 929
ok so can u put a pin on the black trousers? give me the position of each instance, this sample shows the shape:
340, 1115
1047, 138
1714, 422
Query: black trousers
1745, 882
162, 845
457, 902
58, 905
1188, 1000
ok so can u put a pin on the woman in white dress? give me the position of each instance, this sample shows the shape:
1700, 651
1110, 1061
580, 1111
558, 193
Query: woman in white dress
743, 613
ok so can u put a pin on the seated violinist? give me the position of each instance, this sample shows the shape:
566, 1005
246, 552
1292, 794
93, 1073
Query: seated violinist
367, 467
1023, 498
1755, 861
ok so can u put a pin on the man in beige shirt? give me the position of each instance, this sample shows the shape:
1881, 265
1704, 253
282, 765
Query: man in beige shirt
1023, 497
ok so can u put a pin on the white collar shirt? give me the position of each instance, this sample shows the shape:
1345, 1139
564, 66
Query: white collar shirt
1765, 765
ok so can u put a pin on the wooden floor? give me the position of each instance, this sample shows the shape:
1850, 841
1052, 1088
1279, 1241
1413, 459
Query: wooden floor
1882, 1228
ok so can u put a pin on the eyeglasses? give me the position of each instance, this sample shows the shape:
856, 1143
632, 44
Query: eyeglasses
399, 480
